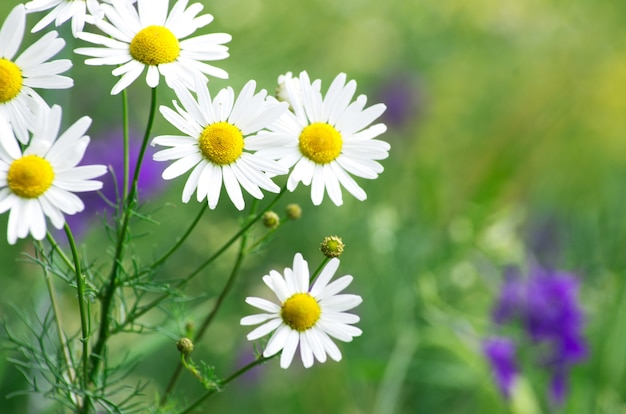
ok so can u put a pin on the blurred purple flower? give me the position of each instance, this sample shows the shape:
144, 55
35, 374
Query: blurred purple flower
401, 94
109, 150
500, 352
546, 305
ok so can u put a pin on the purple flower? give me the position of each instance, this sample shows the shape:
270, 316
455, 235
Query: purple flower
546, 306
500, 352
109, 150
403, 97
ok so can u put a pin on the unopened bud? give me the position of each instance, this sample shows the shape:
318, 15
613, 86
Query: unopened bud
185, 346
294, 211
271, 220
332, 246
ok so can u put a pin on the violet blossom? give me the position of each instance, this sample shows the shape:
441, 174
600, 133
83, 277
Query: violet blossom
545, 305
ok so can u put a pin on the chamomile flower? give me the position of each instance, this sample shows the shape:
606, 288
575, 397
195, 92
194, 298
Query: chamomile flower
326, 139
18, 77
80, 11
147, 37
306, 316
215, 146
39, 181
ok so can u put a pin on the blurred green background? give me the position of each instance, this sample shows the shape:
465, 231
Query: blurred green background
507, 124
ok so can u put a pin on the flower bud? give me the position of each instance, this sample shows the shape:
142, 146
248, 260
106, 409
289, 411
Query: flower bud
294, 211
185, 346
271, 220
332, 246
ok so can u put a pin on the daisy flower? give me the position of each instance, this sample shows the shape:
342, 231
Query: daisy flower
80, 11
306, 316
18, 77
40, 180
147, 37
326, 139
215, 145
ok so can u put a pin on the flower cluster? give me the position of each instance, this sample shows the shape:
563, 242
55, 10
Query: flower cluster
546, 306
232, 141
240, 142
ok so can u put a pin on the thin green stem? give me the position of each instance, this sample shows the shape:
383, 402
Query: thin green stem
260, 360
182, 239
60, 251
184, 281
59, 327
220, 300
266, 236
126, 143
241, 232
82, 306
319, 269
227, 288
105, 316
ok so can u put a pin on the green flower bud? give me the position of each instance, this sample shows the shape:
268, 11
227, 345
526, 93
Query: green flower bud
294, 211
332, 246
271, 220
185, 346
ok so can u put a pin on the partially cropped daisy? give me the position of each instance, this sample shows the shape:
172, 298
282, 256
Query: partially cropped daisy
215, 147
306, 316
31, 69
41, 180
147, 37
326, 138
80, 11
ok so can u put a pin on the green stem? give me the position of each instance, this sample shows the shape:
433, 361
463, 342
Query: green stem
260, 360
61, 253
126, 143
184, 281
105, 316
319, 269
182, 239
59, 328
266, 236
82, 306
220, 300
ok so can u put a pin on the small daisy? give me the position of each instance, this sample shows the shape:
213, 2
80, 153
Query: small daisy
80, 11
325, 138
147, 37
215, 143
307, 316
40, 181
18, 99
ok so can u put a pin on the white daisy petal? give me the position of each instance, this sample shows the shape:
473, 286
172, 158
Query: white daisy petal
329, 346
262, 330
12, 32
324, 277
289, 349
277, 341
306, 353
263, 304
301, 319
259, 318
316, 344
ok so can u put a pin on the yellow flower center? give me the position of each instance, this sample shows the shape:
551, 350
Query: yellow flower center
320, 142
154, 45
10, 80
301, 311
30, 176
221, 143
